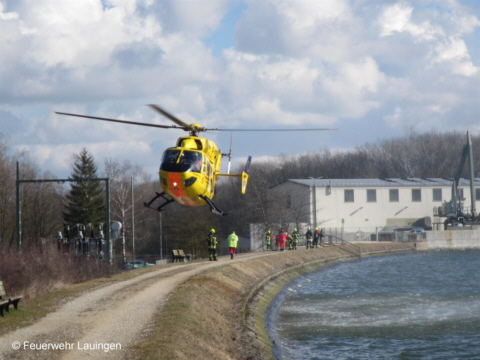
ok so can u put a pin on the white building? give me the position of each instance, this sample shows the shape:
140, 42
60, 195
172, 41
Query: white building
362, 206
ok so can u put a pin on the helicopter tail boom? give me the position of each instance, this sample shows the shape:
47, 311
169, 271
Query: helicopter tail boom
243, 175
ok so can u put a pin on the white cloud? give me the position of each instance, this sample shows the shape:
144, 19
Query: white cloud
334, 63
444, 48
7, 15
397, 18
323, 29
395, 119
455, 52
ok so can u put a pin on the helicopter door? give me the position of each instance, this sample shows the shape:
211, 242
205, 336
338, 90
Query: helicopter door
210, 177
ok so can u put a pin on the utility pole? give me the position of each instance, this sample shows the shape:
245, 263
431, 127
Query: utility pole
19, 216
160, 218
133, 223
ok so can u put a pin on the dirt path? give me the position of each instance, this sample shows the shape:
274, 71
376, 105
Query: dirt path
105, 322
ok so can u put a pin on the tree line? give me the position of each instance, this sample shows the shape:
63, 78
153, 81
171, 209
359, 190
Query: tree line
47, 207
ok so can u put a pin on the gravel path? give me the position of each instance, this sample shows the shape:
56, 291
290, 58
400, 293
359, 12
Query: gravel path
105, 322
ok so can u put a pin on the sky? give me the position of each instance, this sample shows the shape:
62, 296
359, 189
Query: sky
374, 69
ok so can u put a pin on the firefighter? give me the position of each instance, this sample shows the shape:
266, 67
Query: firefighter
268, 240
212, 245
289, 241
295, 238
308, 236
316, 237
232, 244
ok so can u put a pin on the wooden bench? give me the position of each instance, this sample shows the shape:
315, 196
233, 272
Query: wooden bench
10, 300
3, 307
179, 255
182, 256
175, 255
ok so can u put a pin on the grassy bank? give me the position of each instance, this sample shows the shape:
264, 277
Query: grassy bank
33, 308
219, 314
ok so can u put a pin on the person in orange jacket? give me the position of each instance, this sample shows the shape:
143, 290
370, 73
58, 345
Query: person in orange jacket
281, 239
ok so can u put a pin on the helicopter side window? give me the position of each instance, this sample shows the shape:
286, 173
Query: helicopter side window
170, 156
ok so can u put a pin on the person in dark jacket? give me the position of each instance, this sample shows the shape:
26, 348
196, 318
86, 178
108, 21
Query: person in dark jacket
212, 245
308, 237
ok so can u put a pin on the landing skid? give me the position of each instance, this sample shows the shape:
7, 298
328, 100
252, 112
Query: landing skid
213, 208
159, 208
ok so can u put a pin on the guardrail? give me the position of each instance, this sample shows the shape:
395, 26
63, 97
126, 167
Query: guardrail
351, 248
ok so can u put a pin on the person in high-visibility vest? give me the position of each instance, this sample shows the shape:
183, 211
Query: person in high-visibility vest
212, 245
295, 238
268, 240
232, 244
289, 241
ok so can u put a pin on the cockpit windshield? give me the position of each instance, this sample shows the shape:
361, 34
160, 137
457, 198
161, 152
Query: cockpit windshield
181, 161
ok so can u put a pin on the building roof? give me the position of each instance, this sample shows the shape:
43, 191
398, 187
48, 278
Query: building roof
392, 182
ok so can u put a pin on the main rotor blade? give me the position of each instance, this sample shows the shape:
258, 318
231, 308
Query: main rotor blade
122, 121
316, 129
170, 116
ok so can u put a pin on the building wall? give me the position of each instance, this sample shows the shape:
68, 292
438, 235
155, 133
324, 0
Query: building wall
332, 208
334, 212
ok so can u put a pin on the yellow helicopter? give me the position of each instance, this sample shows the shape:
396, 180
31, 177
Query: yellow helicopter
189, 170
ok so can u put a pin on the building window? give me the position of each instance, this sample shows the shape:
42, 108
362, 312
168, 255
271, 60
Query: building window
477, 193
371, 195
460, 191
416, 195
349, 195
394, 195
437, 195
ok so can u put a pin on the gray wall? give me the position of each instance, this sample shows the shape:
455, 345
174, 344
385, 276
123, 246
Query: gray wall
453, 239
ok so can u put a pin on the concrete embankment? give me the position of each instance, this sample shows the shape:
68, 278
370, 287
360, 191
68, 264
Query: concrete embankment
453, 239
220, 313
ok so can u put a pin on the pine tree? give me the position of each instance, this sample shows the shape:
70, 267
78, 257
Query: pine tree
86, 200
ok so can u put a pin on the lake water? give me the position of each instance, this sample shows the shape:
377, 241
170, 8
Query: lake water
423, 305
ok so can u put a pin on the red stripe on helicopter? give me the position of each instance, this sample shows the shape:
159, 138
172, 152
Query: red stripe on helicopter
176, 185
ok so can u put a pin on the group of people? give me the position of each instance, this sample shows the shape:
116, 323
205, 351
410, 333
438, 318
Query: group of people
213, 243
283, 239
317, 236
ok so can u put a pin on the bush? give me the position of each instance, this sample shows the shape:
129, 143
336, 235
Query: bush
40, 269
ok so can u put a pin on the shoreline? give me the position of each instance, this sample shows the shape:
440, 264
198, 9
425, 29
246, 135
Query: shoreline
266, 291
220, 313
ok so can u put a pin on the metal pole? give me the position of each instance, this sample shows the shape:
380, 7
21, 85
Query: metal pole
160, 218
315, 203
133, 223
123, 247
472, 176
19, 217
109, 241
